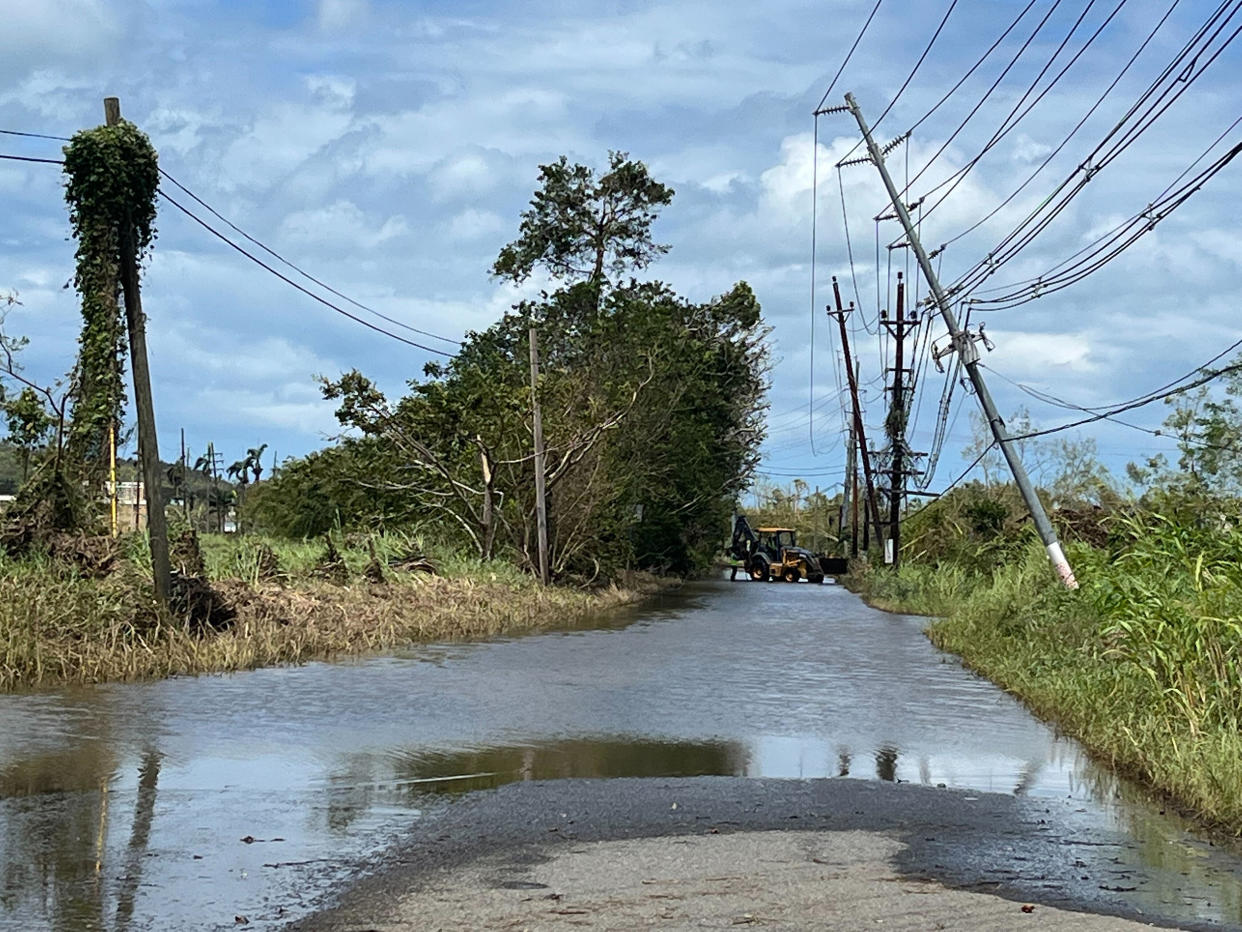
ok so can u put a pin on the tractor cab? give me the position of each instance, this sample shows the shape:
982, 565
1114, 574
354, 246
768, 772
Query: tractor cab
776, 539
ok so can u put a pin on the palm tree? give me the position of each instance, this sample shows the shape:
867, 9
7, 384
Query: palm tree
253, 456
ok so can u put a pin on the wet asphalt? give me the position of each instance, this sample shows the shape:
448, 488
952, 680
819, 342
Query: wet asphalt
1050, 852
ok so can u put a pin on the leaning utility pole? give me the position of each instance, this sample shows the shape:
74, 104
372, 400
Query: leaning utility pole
541, 501
964, 344
847, 492
898, 415
860, 432
148, 447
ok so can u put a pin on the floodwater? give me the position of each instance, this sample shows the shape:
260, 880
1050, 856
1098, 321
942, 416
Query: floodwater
194, 803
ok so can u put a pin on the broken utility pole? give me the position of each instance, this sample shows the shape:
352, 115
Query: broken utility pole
148, 447
873, 510
964, 344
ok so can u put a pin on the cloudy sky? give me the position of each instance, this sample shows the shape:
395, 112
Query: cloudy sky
388, 147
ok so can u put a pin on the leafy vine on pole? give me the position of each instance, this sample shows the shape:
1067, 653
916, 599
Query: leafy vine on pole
112, 176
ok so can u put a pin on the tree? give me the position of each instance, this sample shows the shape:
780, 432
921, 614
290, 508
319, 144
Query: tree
253, 461
1207, 424
583, 228
29, 424
652, 404
1077, 475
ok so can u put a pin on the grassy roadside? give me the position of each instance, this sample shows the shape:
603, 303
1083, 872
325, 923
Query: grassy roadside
1143, 665
58, 625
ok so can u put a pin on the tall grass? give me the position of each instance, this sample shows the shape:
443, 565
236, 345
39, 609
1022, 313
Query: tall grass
58, 626
1143, 664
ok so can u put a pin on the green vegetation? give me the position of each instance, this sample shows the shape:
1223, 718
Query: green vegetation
274, 602
651, 408
1144, 663
111, 180
652, 420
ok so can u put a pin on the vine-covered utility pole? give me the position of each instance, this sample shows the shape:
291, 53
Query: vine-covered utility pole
964, 345
148, 447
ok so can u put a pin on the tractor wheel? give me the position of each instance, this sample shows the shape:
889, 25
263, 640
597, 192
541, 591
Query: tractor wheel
758, 569
791, 574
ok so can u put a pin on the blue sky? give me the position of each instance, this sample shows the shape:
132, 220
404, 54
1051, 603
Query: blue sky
388, 147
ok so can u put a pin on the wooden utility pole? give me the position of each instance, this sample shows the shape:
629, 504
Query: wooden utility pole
843, 514
854, 517
215, 488
112, 497
541, 502
185, 476
964, 346
873, 509
148, 446
898, 415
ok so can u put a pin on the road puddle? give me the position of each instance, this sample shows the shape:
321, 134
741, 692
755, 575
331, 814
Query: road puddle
191, 803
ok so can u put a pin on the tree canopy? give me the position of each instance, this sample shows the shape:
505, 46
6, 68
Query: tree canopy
580, 227
651, 406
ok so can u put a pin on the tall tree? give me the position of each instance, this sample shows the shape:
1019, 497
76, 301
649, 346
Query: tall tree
580, 227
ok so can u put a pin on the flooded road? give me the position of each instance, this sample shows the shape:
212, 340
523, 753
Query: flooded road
192, 803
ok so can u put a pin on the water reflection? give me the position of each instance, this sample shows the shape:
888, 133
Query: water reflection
140, 836
184, 803
62, 799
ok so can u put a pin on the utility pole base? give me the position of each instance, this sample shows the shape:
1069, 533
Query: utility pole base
1057, 556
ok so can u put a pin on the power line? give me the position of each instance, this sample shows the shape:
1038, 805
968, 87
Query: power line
30, 158
1006, 126
848, 55
955, 483
988, 93
324, 301
215, 213
973, 68
1159, 396
1127, 130
910, 77
271, 252
13, 132
1079, 125
1113, 244
1090, 246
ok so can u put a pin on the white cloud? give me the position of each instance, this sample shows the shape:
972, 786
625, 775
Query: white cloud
474, 224
336, 15
339, 226
465, 174
1060, 354
56, 28
390, 148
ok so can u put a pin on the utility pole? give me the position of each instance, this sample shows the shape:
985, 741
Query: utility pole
185, 475
968, 353
854, 518
148, 446
872, 508
898, 416
215, 488
541, 502
846, 490
112, 496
